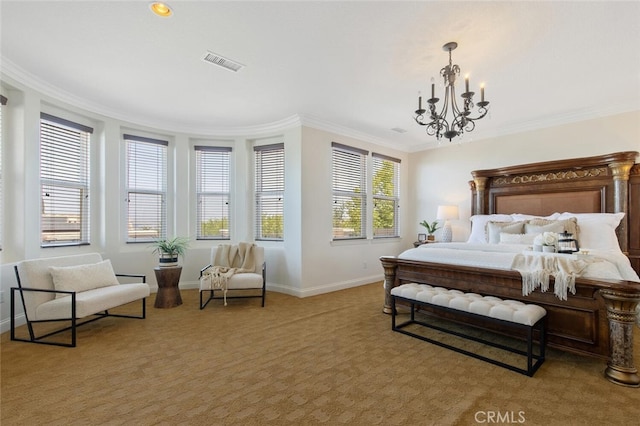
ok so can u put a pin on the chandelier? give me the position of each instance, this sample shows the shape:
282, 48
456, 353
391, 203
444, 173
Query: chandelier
461, 120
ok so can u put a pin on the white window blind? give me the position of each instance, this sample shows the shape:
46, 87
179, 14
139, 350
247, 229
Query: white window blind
146, 188
269, 192
349, 168
212, 192
64, 182
386, 195
3, 102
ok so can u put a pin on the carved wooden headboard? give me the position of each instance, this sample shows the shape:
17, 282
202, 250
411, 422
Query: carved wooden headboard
603, 184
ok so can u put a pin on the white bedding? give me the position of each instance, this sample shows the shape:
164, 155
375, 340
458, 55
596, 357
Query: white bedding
608, 264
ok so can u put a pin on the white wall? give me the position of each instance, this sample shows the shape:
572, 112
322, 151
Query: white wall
441, 176
305, 263
331, 265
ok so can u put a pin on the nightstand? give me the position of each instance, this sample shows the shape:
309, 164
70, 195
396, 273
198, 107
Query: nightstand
419, 243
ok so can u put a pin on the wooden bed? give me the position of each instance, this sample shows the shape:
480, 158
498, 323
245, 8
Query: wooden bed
599, 319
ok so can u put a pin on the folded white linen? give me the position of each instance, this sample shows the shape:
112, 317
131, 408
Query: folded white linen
536, 268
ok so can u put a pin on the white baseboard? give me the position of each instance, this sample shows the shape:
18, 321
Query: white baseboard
5, 323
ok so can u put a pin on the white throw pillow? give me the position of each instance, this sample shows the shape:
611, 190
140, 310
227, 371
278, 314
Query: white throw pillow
479, 223
520, 216
83, 277
597, 230
494, 229
539, 226
506, 238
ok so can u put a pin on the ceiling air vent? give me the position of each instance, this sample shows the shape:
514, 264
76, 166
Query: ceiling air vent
221, 61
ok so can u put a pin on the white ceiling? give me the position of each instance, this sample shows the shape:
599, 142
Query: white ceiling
354, 66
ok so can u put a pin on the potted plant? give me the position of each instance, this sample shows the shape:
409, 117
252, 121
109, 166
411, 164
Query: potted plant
170, 249
431, 229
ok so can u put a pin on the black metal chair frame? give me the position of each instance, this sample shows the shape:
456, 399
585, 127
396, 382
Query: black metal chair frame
539, 326
75, 323
212, 296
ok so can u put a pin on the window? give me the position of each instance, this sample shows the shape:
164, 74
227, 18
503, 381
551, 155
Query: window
3, 102
64, 182
146, 188
212, 192
386, 184
269, 192
349, 167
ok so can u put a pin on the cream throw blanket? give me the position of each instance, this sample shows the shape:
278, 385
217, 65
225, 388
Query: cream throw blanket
537, 268
229, 260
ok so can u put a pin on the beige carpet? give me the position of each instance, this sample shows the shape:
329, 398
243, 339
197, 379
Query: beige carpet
330, 359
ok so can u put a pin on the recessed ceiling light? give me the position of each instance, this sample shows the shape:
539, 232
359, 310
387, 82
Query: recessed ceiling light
161, 9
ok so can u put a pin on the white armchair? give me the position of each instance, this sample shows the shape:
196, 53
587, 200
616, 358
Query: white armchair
242, 285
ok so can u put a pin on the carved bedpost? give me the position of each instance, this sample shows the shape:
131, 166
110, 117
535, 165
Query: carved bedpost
481, 184
389, 265
622, 315
620, 171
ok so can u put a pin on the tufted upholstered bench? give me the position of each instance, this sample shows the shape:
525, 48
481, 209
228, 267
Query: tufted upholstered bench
509, 314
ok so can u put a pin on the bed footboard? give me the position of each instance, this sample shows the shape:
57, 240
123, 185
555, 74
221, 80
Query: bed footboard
598, 321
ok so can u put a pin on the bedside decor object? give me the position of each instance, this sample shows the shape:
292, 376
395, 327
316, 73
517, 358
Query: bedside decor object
546, 242
422, 238
461, 121
446, 213
169, 250
431, 228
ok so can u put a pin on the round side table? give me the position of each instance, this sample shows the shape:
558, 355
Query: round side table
168, 295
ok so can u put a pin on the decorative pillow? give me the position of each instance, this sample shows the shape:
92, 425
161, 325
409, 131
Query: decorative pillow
506, 238
519, 216
479, 223
597, 230
538, 226
494, 229
83, 277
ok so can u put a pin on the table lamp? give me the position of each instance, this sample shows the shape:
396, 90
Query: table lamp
446, 213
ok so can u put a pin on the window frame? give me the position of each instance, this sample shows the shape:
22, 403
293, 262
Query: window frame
56, 134
349, 162
3, 102
161, 191
270, 189
377, 197
201, 194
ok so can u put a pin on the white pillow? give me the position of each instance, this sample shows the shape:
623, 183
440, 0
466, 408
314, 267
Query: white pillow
479, 223
506, 238
539, 226
83, 277
494, 229
520, 216
597, 230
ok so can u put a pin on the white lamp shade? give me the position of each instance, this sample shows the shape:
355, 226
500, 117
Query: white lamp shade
447, 212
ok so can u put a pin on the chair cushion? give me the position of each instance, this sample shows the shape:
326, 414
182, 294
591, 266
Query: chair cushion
93, 301
83, 277
245, 280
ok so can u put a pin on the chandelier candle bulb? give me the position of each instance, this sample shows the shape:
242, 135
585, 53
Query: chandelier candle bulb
433, 90
466, 83
482, 92
419, 100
